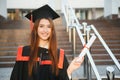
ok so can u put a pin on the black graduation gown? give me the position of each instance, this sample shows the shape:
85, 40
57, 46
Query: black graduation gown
42, 72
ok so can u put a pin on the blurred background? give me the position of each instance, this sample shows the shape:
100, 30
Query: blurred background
76, 15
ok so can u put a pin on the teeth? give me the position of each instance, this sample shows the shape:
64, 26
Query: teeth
44, 34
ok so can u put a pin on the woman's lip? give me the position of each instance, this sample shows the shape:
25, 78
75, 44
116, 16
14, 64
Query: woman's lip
44, 34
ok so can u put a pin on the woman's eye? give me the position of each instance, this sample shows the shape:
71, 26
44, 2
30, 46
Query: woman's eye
41, 26
49, 26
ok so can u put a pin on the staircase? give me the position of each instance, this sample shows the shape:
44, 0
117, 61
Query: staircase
62, 38
110, 32
13, 34
16, 33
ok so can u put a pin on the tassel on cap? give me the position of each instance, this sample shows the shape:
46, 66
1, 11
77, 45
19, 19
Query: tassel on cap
31, 22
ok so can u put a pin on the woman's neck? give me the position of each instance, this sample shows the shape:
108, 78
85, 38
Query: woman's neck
44, 43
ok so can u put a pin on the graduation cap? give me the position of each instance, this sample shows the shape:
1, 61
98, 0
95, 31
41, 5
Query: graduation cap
43, 12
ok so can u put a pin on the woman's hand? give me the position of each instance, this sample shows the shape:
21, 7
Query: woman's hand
75, 64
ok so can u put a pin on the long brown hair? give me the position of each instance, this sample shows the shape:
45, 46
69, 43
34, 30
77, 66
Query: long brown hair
35, 43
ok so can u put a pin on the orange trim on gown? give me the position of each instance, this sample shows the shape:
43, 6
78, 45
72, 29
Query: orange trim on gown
45, 62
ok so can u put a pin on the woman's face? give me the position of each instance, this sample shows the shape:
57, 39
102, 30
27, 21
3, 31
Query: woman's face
44, 29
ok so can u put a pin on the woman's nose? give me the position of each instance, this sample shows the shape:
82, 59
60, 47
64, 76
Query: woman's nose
45, 29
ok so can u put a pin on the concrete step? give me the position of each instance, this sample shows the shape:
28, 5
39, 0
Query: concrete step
7, 58
7, 61
8, 53
77, 75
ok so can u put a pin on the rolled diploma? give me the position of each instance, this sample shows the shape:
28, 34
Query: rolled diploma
86, 47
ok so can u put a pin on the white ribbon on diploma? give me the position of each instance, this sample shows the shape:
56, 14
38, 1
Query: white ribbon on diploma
86, 47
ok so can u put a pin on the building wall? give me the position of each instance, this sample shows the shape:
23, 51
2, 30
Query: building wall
99, 13
23, 4
87, 3
3, 7
111, 7
32, 4
89, 13
56, 3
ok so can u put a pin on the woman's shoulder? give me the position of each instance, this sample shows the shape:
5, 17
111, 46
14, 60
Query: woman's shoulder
27, 47
23, 53
23, 50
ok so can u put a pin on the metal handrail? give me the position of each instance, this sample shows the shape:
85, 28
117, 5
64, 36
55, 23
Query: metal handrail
77, 25
106, 47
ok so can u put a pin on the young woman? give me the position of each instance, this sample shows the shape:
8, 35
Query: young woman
42, 60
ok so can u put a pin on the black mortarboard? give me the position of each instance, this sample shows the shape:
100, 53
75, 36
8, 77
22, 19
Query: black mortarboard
43, 12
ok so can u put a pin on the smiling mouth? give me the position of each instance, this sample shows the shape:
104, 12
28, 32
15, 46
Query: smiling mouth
44, 35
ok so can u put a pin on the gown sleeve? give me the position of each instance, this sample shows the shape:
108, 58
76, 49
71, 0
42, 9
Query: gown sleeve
16, 72
63, 72
20, 71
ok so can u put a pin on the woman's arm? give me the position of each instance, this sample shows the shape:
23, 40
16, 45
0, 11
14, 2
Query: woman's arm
74, 65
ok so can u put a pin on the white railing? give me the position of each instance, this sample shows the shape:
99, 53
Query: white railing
106, 47
72, 22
